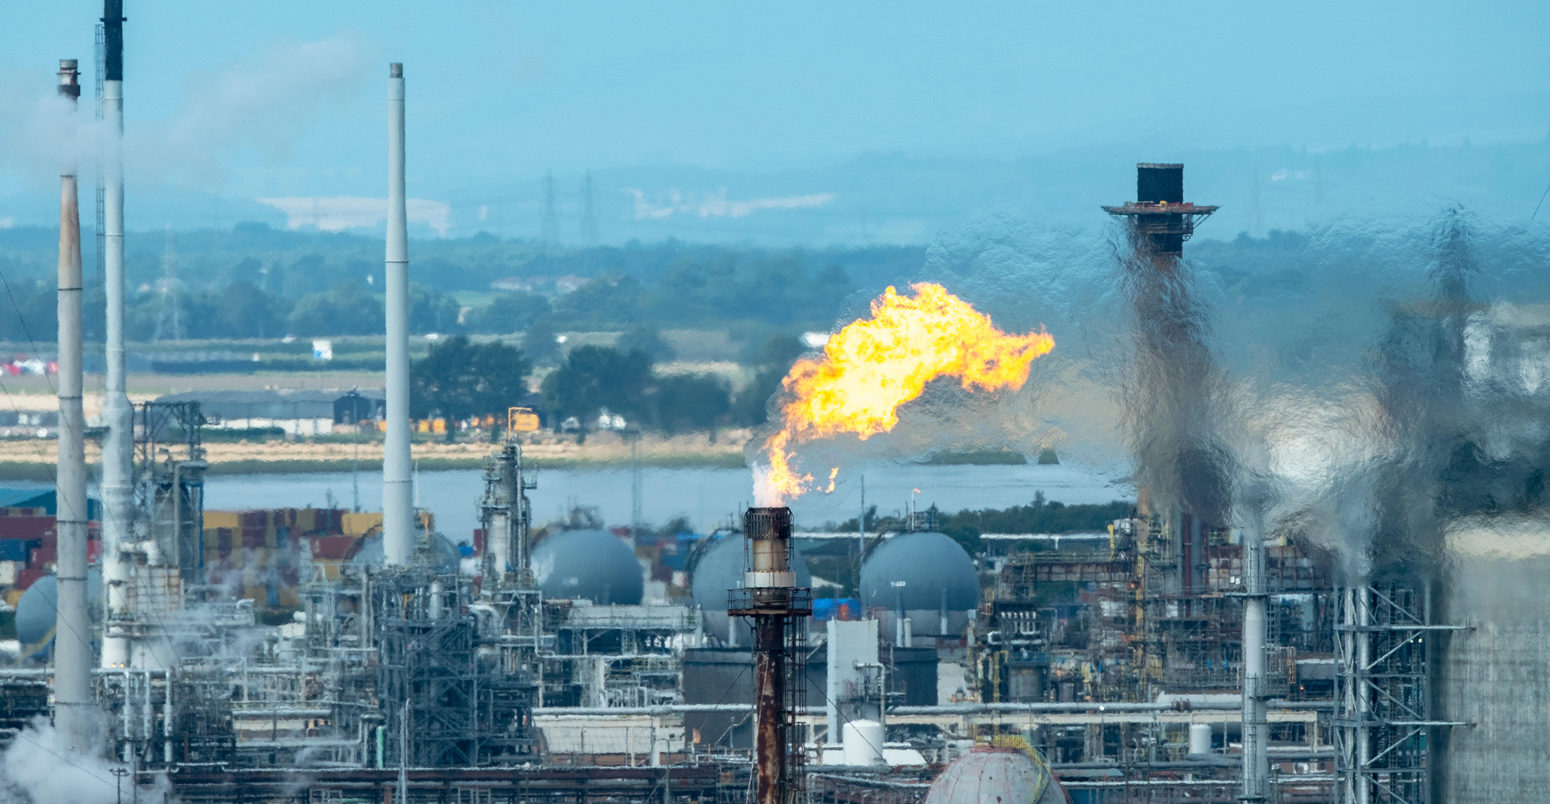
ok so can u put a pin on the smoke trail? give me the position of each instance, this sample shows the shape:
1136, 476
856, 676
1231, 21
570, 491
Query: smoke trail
260, 106
1174, 403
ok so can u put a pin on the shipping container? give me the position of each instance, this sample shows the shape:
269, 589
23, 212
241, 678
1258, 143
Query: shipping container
18, 549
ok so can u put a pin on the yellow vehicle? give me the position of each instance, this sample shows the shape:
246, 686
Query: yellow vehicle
521, 420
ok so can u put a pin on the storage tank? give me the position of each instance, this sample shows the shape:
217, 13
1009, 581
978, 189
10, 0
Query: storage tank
720, 568
590, 565
1199, 739
929, 577
36, 612
862, 743
1007, 775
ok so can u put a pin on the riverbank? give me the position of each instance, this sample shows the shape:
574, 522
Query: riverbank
35, 459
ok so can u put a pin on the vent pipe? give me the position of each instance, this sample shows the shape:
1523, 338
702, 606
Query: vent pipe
118, 447
397, 511
72, 626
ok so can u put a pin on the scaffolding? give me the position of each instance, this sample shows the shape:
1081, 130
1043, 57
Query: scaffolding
1383, 725
426, 671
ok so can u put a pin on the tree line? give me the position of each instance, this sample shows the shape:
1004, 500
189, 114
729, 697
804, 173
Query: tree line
461, 379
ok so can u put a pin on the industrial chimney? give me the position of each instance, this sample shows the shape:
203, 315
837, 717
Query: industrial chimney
72, 626
770, 597
118, 447
397, 511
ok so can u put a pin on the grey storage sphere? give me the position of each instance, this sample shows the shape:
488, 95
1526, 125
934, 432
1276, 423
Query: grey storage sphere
928, 575
36, 612
590, 565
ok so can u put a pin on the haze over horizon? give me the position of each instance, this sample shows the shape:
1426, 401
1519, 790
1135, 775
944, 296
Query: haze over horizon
784, 125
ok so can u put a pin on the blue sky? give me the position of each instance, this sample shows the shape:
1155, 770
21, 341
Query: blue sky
501, 92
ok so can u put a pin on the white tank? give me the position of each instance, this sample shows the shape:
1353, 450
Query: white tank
862, 743
1199, 739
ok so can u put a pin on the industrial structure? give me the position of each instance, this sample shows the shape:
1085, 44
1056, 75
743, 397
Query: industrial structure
1187, 653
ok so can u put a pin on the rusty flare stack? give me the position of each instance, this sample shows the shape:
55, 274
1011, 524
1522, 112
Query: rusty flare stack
776, 606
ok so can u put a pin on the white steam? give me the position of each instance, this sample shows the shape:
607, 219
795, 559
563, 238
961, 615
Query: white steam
39, 768
260, 105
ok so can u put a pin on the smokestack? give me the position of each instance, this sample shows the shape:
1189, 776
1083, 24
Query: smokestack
1256, 729
769, 596
72, 626
118, 448
397, 511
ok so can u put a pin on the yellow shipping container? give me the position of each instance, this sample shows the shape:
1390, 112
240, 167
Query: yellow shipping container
14, 596
356, 524
222, 519
290, 598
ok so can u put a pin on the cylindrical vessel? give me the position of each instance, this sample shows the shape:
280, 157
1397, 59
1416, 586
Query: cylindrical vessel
1199, 739
397, 494
862, 743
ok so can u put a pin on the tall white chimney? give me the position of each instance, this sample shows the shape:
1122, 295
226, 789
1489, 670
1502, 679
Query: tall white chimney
1256, 729
397, 512
72, 625
118, 447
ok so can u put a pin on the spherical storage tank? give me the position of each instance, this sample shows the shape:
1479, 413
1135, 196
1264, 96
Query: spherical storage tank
929, 576
719, 569
995, 774
590, 565
37, 611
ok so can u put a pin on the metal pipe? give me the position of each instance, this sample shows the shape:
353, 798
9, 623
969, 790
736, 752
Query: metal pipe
72, 625
117, 451
397, 490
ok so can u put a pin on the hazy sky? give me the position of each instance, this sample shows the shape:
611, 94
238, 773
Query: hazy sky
285, 98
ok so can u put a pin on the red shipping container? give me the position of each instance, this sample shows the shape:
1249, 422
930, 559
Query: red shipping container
25, 527
253, 519
43, 556
479, 541
93, 550
27, 577
254, 537
332, 548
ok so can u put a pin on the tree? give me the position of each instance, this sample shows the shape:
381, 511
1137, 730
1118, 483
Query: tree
686, 402
431, 311
593, 378
246, 311
507, 313
539, 342
459, 379
642, 338
347, 309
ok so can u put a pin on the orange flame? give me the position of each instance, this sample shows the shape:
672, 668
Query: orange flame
874, 365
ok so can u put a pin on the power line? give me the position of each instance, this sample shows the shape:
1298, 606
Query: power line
1540, 204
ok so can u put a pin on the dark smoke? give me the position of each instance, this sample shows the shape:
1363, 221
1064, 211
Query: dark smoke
1175, 405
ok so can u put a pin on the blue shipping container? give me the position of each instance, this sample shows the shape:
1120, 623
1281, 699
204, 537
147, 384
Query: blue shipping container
17, 549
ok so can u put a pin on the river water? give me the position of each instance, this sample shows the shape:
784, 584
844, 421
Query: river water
707, 497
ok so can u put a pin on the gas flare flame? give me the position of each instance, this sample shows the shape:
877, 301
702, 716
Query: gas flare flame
876, 364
